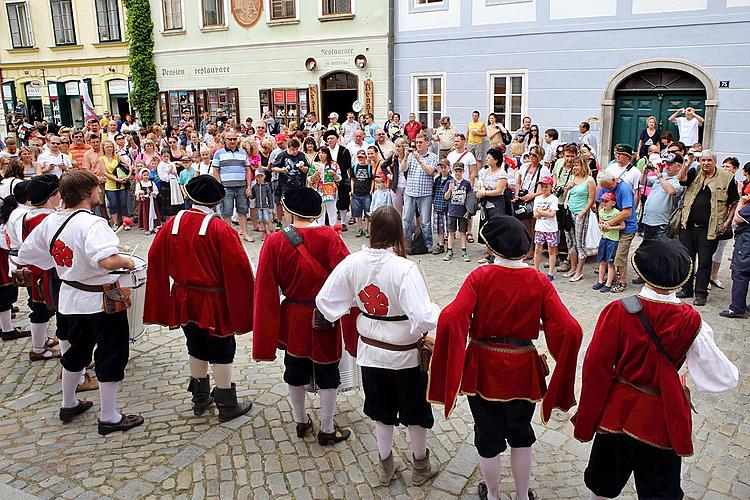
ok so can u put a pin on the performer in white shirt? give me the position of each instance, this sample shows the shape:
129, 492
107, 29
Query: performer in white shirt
82, 248
11, 215
396, 312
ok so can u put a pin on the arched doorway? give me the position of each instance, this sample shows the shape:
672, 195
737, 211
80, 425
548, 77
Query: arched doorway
338, 91
655, 88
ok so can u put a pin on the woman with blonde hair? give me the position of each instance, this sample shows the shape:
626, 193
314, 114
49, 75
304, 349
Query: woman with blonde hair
117, 175
396, 176
580, 194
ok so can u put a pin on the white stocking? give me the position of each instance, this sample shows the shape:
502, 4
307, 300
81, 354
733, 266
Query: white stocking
384, 437
38, 336
108, 397
520, 465
344, 217
297, 400
198, 367
327, 409
491, 473
69, 383
418, 435
6, 322
223, 375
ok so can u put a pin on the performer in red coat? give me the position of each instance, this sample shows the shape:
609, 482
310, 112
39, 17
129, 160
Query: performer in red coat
632, 400
212, 295
499, 307
300, 273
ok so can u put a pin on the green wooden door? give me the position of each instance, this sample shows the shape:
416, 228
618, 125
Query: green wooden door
632, 109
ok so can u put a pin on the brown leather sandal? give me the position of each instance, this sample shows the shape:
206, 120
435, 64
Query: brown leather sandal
126, 423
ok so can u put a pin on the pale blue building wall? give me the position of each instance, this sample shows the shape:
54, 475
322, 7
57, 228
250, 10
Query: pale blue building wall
569, 62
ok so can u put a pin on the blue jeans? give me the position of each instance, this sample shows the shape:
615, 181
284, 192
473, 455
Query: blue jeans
235, 198
425, 211
118, 202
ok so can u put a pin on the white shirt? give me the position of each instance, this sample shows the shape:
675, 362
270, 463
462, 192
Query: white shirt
7, 185
90, 239
395, 284
688, 130
47, 159
14, 226
202, 168
632, 176
467, 159
709, 368
353, 148
546, 224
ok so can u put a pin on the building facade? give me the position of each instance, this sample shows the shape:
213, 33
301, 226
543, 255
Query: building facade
48, 47
613, 63
247, 57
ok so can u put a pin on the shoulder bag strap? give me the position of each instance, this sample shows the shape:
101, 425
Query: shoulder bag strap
295, 239
62, 226
633, 305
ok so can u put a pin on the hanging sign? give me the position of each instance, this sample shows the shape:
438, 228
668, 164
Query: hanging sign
278, 97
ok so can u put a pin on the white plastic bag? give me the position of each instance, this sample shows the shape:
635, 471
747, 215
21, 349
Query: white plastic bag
593, 235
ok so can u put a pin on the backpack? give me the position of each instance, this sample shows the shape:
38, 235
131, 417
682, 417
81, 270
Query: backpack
415, 242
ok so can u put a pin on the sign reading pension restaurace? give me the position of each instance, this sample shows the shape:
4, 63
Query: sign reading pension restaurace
209, 70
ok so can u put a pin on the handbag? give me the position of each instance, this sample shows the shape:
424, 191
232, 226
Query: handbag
425, 348
116, 298
22, 277
318, 322
471, 203
726, 235
593, 235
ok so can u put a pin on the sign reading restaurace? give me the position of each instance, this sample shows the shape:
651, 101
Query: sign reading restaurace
196, 71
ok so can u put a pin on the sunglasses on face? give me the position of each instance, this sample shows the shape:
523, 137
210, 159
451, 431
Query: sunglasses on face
54, 143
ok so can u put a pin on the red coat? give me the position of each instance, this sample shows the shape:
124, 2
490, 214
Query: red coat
288, 326
504, 302
39, 276
621, 348
218, 295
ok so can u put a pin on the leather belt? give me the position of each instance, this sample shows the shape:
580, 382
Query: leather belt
388, 346
401, 317
200, 288
647, 390
84, 287
13, 252
306, 303
505, 340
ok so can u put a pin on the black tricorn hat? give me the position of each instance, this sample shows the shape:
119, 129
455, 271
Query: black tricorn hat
507, 237
303, 202
205, 190
21, 192
330, 132
41, 188
663, 263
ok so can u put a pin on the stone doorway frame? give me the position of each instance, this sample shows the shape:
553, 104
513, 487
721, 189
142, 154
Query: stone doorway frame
608, 103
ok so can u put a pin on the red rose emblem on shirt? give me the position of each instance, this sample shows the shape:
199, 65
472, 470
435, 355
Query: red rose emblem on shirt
374, 300
62, 254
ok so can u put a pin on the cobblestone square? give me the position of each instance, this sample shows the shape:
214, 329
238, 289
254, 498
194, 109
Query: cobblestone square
178, 455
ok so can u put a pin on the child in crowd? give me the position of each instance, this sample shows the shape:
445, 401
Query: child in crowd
204, 167
381, 196
261, 193
440, 205
458, 188
361, 189
608, 243
187, 173
545, 213
146, 192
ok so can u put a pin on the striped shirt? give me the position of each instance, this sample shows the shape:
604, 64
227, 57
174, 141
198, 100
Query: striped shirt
232, 166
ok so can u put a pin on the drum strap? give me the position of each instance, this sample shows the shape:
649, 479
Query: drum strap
62, 226
177, 219
204, 224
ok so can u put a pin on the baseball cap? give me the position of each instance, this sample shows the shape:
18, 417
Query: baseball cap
361, 152
458, 166
333, 115
655, 158
608, 196
260, 171
671, 157
280, 138
546, 180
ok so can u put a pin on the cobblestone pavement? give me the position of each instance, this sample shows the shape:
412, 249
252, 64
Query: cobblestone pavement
178, 455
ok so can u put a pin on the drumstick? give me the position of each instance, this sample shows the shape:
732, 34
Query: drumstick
134, 249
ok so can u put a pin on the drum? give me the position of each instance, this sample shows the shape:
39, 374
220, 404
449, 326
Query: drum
135, 280
351, 377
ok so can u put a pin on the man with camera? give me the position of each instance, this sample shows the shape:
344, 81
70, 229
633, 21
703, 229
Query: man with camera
664, 196
420, 166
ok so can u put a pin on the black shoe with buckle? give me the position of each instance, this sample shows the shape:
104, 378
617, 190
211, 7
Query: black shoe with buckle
329, 438
304, 428
126, 423
67, 414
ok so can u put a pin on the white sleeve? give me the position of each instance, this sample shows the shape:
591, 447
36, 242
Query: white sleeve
708, 366
35, 250
415, 301
336, 297
101, 242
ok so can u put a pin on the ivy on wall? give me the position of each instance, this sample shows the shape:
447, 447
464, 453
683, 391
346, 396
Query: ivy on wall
140, 32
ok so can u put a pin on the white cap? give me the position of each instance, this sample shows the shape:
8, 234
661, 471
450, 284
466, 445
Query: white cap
654, 158
334, 115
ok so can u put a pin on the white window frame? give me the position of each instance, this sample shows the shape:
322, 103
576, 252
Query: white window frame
322, 15
524, 74
210, 27
287, 20
415, 95
415, 7
164, 28
28, 24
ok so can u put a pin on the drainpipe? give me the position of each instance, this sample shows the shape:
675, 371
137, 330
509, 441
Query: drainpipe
391, 29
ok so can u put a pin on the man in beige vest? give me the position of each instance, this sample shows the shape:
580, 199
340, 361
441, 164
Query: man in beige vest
708, 207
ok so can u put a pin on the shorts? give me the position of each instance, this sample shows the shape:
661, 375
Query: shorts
109, 334
623, 249
395, 397
498, 422
462, 223
614, 457
477, 150
235, 198
206, 347
63, 327
551, 239
302, 371
361, 205
439, 222
8, 296
40, 313
263, 214
118, 202
607, 251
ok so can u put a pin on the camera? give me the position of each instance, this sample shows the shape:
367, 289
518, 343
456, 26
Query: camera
558, 191
522, 192
412, 146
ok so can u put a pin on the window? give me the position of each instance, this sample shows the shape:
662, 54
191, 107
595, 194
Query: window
336, 7
108, 19
172, 12
428, 95
283, 9
507, 99
20, 25
427, 2
213, 12
62, 22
